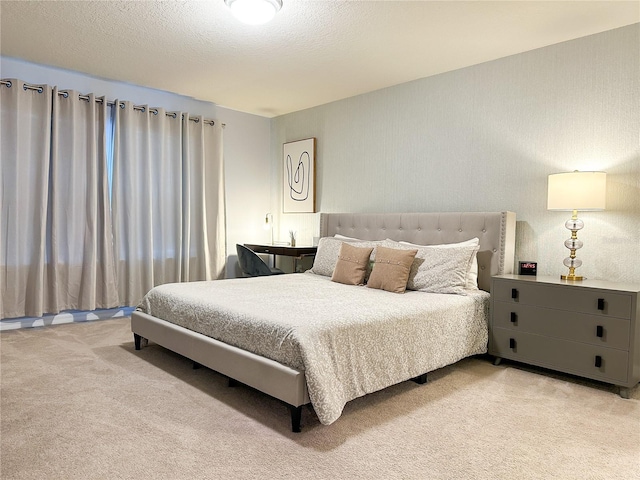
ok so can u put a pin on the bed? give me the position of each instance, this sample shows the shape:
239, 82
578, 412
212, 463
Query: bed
304, 339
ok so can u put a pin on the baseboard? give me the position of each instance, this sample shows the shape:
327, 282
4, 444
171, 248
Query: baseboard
70, 316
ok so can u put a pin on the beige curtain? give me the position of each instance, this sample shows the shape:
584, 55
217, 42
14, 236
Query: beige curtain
204, 219
65, 243
147, 188
168, 205
83, 273
56, 246
25, 139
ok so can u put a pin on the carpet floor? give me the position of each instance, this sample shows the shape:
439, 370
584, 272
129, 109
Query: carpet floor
78, 402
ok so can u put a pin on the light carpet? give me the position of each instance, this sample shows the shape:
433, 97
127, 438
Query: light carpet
78, 402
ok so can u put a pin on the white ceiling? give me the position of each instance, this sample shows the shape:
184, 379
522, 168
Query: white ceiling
312, 53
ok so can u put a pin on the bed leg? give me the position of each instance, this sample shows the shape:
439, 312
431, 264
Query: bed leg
137, 340
497, 360
420, 379
296, 416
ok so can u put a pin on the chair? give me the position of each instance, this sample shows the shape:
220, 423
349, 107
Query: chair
252, 265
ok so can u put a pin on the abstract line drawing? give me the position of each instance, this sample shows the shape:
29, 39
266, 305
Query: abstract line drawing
299, 176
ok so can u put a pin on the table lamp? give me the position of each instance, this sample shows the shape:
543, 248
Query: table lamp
268, 224
572, 192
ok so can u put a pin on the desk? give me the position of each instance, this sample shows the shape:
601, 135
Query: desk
297, 253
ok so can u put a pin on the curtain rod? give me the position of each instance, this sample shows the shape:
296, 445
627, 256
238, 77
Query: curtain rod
65, 94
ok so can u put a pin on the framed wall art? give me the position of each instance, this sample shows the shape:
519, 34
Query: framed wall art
299, 167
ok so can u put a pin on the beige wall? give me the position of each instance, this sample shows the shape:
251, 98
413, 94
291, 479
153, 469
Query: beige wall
485, 138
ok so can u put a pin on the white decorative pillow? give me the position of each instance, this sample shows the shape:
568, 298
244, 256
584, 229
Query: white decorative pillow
472, 275
328, 251
440, 270
348, 239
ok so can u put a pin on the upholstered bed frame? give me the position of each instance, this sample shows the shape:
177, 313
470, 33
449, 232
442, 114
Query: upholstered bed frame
496, 231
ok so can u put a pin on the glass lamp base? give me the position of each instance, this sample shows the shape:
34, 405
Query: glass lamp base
573, 244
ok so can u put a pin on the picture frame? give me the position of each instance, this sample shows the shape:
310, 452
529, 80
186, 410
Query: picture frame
299, 176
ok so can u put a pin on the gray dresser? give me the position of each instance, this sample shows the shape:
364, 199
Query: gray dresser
589, 328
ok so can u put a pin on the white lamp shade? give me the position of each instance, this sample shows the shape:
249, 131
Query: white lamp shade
577, 191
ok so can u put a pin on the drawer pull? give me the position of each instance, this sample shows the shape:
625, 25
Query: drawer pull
512, 343
514, 317
514, 293
598, 361
601, 304
599, 331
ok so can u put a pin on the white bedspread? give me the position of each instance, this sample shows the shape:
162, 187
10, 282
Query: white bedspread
349, 340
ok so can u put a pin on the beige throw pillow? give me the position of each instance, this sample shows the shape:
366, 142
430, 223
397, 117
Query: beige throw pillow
329, 249
351, 266
391, 269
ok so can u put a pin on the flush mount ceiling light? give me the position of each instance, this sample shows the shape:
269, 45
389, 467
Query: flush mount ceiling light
254, 12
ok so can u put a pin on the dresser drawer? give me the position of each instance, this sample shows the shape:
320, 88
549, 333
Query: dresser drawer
563, 355
563, 297
593, 329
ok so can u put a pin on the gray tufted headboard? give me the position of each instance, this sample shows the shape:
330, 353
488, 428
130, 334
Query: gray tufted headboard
496, 231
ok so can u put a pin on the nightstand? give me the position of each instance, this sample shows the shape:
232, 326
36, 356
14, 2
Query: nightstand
589, 328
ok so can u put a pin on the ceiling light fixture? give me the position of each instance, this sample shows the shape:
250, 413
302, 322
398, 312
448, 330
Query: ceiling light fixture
254, 12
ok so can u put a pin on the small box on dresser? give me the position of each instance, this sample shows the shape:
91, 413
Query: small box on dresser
588, 328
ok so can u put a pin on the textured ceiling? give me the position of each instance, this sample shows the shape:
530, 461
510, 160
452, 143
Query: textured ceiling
312, 53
